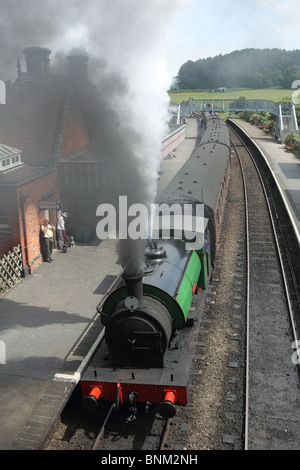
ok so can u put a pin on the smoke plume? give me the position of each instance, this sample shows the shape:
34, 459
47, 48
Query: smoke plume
125, 40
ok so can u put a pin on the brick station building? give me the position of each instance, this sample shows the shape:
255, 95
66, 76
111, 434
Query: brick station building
42, 123
51, 155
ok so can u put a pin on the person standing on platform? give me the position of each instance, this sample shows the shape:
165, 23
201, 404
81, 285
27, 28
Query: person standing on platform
60, 229
47, 232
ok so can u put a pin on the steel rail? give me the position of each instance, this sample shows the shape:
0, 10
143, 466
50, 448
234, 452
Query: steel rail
246, 421
165, 434
101, 432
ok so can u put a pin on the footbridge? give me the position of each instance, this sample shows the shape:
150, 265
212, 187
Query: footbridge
285, 114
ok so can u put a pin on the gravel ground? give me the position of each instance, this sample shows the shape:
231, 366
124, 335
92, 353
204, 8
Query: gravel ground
213, 418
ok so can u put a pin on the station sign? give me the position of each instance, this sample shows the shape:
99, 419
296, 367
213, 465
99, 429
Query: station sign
50, 205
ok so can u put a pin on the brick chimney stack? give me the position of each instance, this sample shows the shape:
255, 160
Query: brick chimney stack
38, 62
78, 68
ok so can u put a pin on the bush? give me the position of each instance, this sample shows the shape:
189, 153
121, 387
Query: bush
289, 139
292, 141
255, 119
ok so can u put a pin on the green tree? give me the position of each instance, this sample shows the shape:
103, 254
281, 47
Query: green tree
290, 74
268, 78
257, 80
277, 77
256, 68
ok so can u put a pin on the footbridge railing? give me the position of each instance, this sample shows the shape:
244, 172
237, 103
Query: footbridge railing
282, 112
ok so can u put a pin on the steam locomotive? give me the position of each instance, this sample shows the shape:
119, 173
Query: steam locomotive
150, 327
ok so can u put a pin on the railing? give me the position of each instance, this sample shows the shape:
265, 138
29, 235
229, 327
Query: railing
10, 269
237, 106
172, 141
234, 105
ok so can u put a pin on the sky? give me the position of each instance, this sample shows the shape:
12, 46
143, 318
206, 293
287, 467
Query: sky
172, 31
201, 29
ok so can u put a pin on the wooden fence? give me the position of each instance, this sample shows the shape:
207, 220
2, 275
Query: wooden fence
10, 269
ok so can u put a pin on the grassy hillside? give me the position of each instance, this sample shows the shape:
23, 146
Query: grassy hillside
274, 94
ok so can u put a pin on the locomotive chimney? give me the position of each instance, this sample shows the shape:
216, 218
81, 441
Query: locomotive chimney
37, 62
134, 286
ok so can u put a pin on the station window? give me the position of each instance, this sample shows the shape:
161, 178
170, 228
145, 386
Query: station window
10, 162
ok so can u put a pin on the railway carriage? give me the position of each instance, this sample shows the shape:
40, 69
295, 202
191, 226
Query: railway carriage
150, 327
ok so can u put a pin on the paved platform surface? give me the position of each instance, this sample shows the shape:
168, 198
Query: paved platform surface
285, 166
41, 320
48, 322
170, 166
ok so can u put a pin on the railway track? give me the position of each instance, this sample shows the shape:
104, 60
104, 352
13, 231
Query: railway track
247, 396
245, 338
110, 429
155, 440
271, 377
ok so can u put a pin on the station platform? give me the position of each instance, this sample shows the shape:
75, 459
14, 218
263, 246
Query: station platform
285, 167
48, 323
45, 324
172, 164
